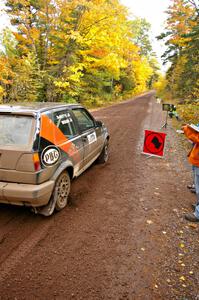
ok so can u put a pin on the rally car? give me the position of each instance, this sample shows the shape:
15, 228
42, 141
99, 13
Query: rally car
43, 146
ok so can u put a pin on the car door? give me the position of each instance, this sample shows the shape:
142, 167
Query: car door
71, 143
89, 134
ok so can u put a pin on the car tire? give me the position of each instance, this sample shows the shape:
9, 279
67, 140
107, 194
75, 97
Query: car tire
103, 158
61, 190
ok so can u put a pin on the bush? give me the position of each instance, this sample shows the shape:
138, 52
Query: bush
189, 112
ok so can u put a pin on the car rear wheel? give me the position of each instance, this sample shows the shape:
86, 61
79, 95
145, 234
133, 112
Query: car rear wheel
103, 158
62, 190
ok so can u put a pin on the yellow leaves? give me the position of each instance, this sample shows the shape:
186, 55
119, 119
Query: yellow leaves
113, 63
149, 222
1, 90
181, 41
82, 46
105, 31
2, 93
182, 245
182, 278
76, 68
54, 62
76, 36
192, 225
189, 112
73, 93
178, 13
19, 37
100, 53
191, 272
5, 70
160, 85
74, 74
61, 84
182, 265
118, 88
75, 77
34, 33
142, 71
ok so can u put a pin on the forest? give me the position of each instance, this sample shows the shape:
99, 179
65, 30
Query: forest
74, 51
93, 52
181, 37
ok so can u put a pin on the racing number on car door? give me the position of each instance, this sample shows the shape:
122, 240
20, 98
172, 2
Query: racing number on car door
87, 128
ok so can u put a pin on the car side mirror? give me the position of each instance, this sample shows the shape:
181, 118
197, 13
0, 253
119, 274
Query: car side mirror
98, 124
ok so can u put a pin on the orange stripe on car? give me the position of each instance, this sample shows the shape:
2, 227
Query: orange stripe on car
53, 134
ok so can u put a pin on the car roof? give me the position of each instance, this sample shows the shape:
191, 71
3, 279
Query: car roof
34, 108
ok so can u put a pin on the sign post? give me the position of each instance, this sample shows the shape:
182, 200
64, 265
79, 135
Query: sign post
154, 143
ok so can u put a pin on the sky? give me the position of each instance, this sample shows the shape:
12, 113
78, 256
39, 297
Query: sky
154, 12
3, 19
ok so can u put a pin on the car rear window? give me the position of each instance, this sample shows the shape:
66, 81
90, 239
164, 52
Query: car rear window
15, 130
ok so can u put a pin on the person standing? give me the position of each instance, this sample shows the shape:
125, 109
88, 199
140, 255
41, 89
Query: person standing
193, 157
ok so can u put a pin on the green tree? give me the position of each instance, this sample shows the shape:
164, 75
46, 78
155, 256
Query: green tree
141, 31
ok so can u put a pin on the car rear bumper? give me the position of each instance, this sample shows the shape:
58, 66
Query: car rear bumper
26, 194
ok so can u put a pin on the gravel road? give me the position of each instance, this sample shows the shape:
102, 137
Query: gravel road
122, 236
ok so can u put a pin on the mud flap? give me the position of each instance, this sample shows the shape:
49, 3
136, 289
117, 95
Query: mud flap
46, 210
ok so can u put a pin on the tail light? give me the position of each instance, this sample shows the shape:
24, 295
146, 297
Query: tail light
36, 161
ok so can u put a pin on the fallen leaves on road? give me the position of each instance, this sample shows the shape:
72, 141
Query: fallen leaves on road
180, 254
182, 245
191, 272
182, 278
194, 226
168, 280
182, 265
156, 286
157, 194
149, 222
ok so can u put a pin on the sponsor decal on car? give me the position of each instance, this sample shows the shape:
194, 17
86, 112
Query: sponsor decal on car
50, 132
92, 138
50, 156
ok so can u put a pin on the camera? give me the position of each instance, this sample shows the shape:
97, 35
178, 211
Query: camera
168, 107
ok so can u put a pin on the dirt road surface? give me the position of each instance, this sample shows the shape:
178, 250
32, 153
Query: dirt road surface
123, 236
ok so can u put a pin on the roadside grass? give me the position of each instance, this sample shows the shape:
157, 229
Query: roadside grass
189, 112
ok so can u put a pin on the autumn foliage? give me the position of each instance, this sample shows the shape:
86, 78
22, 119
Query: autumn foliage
84, 51
181, 37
